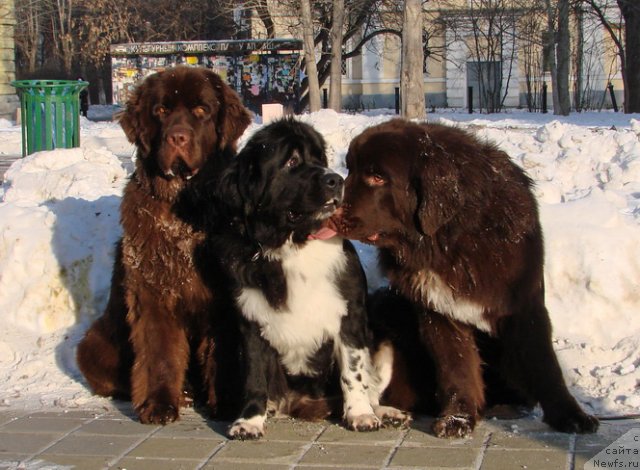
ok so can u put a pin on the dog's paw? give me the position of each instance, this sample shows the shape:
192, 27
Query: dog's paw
456, 426
154, 412
245, 430
576, 422
363, 422
274, 285
390, 416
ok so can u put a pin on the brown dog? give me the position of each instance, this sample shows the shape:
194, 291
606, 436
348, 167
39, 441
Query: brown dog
185, 123
457, 228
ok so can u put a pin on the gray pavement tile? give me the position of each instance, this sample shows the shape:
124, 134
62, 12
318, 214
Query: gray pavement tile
244, 466
25, 443
146, 463
420, 434
194, 428
435, 457
75, 462
8, 416
75, 444
47, 424
534, 441
259, 452
68, 414
606, 435
331, 467
292, 430
11, 460
177, 448
340, 434
346, 455
500, 459
521, 425
581, 458
115, 427
122, 410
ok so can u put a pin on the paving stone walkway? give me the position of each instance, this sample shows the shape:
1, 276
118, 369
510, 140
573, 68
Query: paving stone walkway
115, 440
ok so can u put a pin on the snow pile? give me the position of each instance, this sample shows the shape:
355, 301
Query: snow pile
59, 225
59, 222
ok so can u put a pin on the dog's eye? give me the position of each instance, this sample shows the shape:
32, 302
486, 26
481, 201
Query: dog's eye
374, 179
293, 161
293, 216
201, 111
160, 110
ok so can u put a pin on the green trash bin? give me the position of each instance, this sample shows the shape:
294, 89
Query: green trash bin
50, 113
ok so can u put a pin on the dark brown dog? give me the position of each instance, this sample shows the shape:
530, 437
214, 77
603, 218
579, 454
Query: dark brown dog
185, 123
459, 238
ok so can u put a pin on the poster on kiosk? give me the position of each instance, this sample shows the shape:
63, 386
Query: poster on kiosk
261, 71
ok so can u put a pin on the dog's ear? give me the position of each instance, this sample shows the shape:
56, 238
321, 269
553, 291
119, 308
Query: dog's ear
233, 118
251, 180
439, 197
240, 191
134, 119
227, 189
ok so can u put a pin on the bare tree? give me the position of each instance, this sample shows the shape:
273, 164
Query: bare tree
563, 53
579, 59
551, 47
98, 24
62, 32
531, 26
168, 20
310, 55
265, 17
627, 45
363, 20
411, 74
335, 91
487, 28
630, 10
28, 32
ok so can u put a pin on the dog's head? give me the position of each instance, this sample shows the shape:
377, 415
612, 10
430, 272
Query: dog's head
179, 117
403, 183
281, 185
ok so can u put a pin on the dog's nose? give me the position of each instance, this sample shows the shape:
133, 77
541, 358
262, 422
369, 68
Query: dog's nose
178, 138
332, 180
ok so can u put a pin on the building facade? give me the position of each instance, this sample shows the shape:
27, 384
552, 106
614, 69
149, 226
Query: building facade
8, 99
491, 58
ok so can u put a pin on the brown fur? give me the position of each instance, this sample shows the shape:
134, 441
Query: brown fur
185, 123
458, 233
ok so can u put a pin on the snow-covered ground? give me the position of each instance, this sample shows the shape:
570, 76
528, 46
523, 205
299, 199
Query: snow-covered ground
59, 223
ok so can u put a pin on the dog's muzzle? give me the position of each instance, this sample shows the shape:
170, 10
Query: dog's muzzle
333, 185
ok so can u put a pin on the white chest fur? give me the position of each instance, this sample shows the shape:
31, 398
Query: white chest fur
441, 298
314, 308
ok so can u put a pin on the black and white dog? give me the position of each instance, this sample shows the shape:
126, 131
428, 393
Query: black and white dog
301, 291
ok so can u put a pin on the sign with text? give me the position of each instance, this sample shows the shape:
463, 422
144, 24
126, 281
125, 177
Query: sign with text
624, 452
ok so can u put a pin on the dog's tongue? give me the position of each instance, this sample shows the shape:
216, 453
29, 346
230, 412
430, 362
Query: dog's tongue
326, 231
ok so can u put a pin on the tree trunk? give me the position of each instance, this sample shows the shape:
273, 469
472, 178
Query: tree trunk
411, 74
563, 58
62, 25
310, 56
631, 14
551, 44
335, 90
102, 94
577, 91
263, 13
